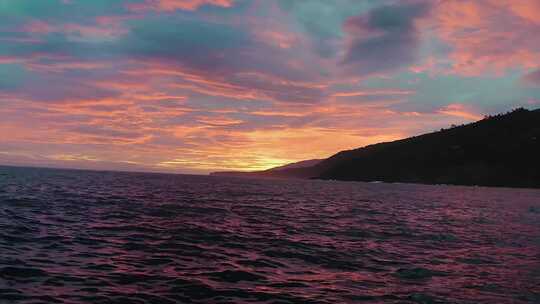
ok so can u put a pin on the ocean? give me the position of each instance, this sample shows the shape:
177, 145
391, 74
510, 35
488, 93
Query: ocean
70, 236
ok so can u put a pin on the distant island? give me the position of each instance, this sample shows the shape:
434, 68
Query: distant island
501, 150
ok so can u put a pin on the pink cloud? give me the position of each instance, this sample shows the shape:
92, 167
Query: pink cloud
373, 93
172, 5
10, 60
263, 101
282, 39
39, 27
105, 28
489, 36
532, 78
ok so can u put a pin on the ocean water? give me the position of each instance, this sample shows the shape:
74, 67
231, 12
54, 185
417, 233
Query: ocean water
102, 237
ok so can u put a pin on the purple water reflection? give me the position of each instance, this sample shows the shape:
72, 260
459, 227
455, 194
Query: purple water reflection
94, 237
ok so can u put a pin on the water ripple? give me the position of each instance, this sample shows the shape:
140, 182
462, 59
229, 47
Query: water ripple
101, 237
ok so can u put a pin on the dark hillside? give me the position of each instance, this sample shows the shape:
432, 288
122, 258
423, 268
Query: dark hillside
503, 150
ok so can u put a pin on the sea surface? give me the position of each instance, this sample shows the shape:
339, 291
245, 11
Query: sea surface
100, 237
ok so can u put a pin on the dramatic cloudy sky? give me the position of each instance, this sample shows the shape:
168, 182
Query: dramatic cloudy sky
200, 85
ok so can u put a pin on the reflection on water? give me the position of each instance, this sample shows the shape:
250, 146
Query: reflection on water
95, 237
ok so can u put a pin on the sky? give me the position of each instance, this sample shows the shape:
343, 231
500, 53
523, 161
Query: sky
194, 86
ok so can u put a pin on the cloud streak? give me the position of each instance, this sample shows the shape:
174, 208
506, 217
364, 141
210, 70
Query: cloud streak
172, 5
202, 85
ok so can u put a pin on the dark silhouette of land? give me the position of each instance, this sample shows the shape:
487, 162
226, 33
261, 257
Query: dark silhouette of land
273, 172
501, 150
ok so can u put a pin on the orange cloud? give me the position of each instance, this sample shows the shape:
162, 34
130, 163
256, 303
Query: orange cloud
219, 121
460, 110
96, 133
263, 102
527, 9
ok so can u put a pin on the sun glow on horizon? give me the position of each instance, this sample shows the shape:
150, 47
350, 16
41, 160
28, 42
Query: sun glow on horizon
212, 85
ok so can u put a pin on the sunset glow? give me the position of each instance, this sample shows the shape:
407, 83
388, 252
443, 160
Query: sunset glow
194, 86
